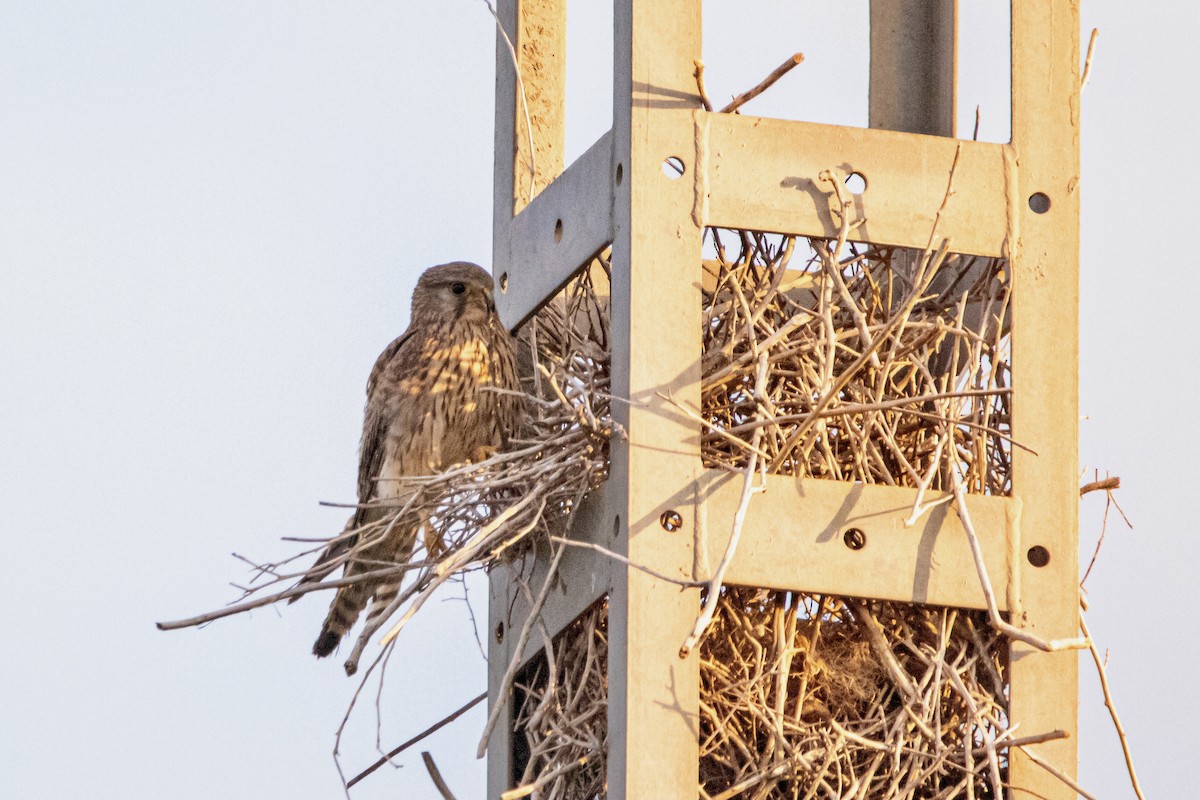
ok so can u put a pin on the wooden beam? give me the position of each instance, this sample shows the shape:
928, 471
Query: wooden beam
653, 747
537, 31
1045, 344
795, 533
556, 235
762, 174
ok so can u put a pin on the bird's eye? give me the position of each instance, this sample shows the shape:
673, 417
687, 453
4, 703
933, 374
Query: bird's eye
458, 288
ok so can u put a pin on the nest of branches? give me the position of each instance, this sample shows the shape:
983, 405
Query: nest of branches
876, 362
561, 715
800, 696
828, 359
817, 696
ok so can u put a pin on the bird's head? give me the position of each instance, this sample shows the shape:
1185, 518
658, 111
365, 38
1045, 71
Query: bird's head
453, 292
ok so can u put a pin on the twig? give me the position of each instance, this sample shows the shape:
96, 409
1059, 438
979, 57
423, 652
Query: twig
512, 53
529, 788
1012, 631
1087, 62
767, 82
699, 73
1108, 484
434, 728
1110, 500
629, 563
735, 535
1112, 708
436, 776
267, 600
518, 651
1037, 738
1062, 776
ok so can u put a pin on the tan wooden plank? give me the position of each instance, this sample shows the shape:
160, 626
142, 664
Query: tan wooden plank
584, 576
1045, 52
763, 174
794, 532
554, 236
653, 694
537, 30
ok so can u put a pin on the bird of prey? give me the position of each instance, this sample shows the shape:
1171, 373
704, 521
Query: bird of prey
430, 404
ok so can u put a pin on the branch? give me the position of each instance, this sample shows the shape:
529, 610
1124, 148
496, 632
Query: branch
518, 649
1112, 709
1087, 62
767, 82
436, 776
434, 728
1108, 484
699, 73
629, 563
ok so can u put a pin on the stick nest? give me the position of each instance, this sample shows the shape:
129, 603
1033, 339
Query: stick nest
800, 696
847, 362
817, 696
877, 360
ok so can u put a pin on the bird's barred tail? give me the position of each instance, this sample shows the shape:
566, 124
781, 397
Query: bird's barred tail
343, 612
385, 593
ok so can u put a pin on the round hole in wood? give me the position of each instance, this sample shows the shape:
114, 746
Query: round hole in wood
558, 230
670, 520
854, 538
1038, 556
1039, 202
673, 167
856, 182
620, 173
499, 631
503, 283
616, 525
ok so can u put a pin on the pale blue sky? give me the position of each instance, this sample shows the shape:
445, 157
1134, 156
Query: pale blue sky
211, 217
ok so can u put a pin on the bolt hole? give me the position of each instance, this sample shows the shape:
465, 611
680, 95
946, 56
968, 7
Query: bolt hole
1038, 556
670, 520
558, 231
856, 182
499, 631
673, 167
854, 538
620, 173
503, 283
1039, 202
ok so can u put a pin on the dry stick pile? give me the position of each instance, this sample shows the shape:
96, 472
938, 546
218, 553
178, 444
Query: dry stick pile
884, 366
816, 696
563, 714
879, 361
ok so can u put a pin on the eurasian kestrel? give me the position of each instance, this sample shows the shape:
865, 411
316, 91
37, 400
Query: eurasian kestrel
430, 404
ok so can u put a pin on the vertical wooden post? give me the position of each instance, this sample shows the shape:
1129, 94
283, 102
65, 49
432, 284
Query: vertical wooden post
1045, 346
537, 30
653, 694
